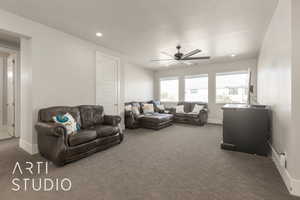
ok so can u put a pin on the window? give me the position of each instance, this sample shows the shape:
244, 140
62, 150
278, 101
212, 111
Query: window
196, 88
169, 89
232, 87
233, 91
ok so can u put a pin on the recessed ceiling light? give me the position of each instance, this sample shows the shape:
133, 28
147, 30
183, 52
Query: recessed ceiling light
233, 55
99, 34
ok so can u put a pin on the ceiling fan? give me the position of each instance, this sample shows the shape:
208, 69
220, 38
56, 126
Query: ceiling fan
182, 57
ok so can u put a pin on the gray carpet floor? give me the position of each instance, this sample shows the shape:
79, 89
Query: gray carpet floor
180, 162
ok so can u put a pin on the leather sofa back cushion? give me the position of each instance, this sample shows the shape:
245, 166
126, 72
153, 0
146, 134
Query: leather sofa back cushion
46, 115
91, 115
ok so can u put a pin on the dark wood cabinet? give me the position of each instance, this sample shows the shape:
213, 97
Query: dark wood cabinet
246, 128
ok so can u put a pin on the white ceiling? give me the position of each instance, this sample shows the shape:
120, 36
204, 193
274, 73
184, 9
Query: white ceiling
141, 29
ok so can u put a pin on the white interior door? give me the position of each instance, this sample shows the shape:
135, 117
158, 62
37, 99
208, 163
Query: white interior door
10, 101
108, 83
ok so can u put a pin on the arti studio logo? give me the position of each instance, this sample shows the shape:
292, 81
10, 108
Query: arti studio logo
46, 183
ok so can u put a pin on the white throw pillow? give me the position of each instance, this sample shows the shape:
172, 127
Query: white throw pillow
135, 110
161, 107
180, 109
128, 108
148, 108
197, 108
68, 122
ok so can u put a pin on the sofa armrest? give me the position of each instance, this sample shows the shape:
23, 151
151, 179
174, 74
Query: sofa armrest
52, 141
204, 110
128, 113
113, 120
51, 129
131, 120
203, 116
131, 115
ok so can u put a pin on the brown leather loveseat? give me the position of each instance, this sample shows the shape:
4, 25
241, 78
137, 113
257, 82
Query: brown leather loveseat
97, 132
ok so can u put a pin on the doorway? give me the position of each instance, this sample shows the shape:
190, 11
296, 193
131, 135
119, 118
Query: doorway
108, 83
8, 62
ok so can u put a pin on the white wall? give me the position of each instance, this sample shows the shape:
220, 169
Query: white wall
278, 82
1, 89
296, 88
274, 74
56, 69
139, 83
215, 112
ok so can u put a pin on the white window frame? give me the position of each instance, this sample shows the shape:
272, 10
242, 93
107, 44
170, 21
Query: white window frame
196, 76
224, 74
169, 78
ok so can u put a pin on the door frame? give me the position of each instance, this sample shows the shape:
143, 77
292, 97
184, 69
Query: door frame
16, 80
101, 54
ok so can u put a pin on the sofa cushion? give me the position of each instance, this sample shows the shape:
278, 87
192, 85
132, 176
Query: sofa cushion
192, 104
46, 115
156, 117
180, 109
156, 105
136, 110
68, 121
91, 115
155, 102
180, 115
106, 130
187, 115
81, 137
197, 108
137, 104
192, 115
148, 108
160, 108
187, 106
128, 107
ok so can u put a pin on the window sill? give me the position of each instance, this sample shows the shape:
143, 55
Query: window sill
229, 103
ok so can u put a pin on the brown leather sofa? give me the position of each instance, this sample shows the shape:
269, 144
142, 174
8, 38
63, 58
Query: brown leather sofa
156, 120
189, 117
97, 132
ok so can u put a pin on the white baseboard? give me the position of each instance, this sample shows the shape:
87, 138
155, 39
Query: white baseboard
28, 147
293, 185
214, 121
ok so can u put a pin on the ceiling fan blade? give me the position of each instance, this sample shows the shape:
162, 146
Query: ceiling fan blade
196, 58
158, 60
167, 54
191, 53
